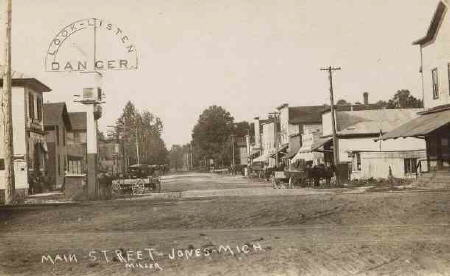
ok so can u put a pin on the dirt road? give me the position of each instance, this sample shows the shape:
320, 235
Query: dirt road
323, 234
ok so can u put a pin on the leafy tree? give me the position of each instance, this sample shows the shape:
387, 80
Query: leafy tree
342, 102
381, 104
243, 128
143, 129
177, 156
404, 99
211, 135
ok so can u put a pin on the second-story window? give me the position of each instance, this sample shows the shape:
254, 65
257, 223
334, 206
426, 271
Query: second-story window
57, 135
435, 79
39, 109
31, 105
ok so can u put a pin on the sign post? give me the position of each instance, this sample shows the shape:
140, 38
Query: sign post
96, 56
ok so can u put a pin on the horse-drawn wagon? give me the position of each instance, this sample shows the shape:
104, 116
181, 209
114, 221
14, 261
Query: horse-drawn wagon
140, 178
302, 173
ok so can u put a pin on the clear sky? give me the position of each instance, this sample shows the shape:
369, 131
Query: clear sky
248, 56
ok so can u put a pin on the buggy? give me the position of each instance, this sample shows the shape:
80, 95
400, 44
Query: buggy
140, 178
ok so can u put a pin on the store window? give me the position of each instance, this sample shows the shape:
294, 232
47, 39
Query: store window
410, 165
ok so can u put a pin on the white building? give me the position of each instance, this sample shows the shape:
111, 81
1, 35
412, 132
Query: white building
433, 124
29, 144
358, 145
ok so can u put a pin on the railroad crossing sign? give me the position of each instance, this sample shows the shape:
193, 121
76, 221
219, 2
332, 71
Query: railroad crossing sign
89, 45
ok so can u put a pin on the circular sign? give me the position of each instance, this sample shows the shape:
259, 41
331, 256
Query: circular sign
91, 45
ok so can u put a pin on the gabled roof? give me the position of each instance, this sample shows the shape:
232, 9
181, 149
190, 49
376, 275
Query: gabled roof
306, 114
53, 112
78, 120
372, 122
434, 25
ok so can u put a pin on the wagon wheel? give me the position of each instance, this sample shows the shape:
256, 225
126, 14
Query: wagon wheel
116, 187
138, 187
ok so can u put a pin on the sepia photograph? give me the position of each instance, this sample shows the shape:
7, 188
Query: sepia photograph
224, 137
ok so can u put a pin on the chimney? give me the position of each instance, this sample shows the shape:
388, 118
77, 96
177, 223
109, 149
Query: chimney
366, 98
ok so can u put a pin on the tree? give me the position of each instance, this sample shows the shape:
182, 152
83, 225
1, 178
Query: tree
211, 136
381, 104
144, 130
342, 102
243, 128
177, 156
404, 99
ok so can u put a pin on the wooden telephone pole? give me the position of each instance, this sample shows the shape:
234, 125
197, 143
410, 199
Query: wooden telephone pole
330, 70
6, 109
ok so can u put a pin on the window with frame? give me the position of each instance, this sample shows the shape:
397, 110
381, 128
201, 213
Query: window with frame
435, 79
57, 134
357, 161
410, 165
31, 105
39, 108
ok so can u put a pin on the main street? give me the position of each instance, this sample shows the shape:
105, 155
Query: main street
309, 232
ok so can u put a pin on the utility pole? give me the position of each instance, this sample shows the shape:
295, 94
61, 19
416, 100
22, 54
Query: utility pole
275, 136
234, 161
192, 156
7, 131
330, 70
137, 147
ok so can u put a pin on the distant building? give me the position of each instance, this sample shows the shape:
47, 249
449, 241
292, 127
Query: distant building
109, 157
77, 143
241, 153
56, 125
257, 155
358, 134
433, 124
30, 148
299, 126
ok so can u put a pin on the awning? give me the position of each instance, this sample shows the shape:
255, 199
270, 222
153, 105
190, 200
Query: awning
282, 149
321, 142
290, 154
420, 126
305, 148
262, 158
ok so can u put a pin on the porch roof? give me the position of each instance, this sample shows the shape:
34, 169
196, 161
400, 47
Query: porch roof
321, 142
420, 126
262, 158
